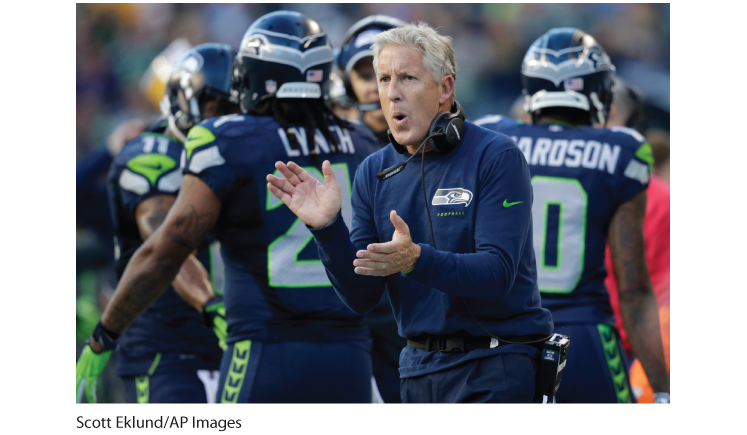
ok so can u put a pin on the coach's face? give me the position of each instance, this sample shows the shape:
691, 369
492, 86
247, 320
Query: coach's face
410, 98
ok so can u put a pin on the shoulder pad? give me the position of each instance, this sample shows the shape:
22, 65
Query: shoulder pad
629, 131
488, 119
198, 136
353, 121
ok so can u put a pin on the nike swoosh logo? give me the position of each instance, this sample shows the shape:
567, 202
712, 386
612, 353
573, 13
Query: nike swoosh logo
156, 167
509, 204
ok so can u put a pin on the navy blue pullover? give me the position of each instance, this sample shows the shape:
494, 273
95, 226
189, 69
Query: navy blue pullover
480, 199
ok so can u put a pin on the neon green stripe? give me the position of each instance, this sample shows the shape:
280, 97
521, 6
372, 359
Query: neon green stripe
153, 366
151, 166
142, 388
615, 363
646, 154
236, 372
197, 137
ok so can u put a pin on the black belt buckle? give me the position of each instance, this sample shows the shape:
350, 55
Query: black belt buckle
453, 344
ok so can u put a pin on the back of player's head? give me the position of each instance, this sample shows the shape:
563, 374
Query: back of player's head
201, 75
284, 54
629, 106
356, 45
566, 67
437, 50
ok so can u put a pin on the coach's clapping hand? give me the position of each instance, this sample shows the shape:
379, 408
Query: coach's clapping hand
314, 203
382, 259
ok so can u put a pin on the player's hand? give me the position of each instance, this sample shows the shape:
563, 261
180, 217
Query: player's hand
382, 259
661, 398
314, 203
87, 371
215, 317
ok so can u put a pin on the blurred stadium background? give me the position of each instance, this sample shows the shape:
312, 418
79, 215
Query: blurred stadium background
118, 80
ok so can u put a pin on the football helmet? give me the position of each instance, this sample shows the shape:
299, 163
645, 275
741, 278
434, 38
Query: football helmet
284, 54
566, 67
356, 44
203, 72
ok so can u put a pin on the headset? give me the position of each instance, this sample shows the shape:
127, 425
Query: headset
444, 134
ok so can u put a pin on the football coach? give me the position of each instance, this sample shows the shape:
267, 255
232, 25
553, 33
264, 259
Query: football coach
450, 235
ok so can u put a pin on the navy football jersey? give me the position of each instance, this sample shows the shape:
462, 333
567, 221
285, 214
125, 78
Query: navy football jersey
149, 166
580, 176
276, 286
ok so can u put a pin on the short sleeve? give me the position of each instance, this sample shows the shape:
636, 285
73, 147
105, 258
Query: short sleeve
203, 157
635, 165
146, 174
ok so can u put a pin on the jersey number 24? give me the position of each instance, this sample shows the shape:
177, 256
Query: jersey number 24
284, 269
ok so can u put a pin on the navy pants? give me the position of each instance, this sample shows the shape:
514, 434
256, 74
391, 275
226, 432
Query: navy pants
296, 372
193, 387
387, 345
501, 378
596, 371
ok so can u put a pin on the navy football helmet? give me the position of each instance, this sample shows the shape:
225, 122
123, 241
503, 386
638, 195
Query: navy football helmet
203, 72
566, 67
356, 44
284, 54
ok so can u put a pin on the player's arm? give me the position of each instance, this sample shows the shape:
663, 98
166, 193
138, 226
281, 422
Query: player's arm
318, 206
157, 262
637, 301
192, 282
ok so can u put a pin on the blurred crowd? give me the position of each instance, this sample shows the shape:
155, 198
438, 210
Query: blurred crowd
117, 45
117, 42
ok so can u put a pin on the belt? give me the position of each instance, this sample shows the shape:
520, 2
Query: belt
465, 342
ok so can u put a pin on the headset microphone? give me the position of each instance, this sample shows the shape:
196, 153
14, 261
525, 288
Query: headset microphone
399, 167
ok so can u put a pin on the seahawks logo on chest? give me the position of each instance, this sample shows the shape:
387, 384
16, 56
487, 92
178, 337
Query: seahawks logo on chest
457, 195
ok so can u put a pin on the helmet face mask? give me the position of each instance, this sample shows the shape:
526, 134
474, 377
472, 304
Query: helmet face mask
566, 67
283, 55
204, 72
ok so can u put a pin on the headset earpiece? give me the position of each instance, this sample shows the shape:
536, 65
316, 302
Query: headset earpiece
451, 124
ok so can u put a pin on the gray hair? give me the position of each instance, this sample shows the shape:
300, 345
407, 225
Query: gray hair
438, 53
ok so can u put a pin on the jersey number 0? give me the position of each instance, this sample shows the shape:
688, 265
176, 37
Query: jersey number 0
559, 216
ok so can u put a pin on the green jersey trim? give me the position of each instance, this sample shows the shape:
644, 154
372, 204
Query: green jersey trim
151, 166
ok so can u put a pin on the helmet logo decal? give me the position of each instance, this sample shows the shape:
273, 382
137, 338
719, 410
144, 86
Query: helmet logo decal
314, 75
271, 86
574, 84
561, 65
366, 38
259, 46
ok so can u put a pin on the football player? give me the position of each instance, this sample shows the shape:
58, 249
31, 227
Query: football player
628, 110
355, 63
589, 187
167, 355
290, 337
